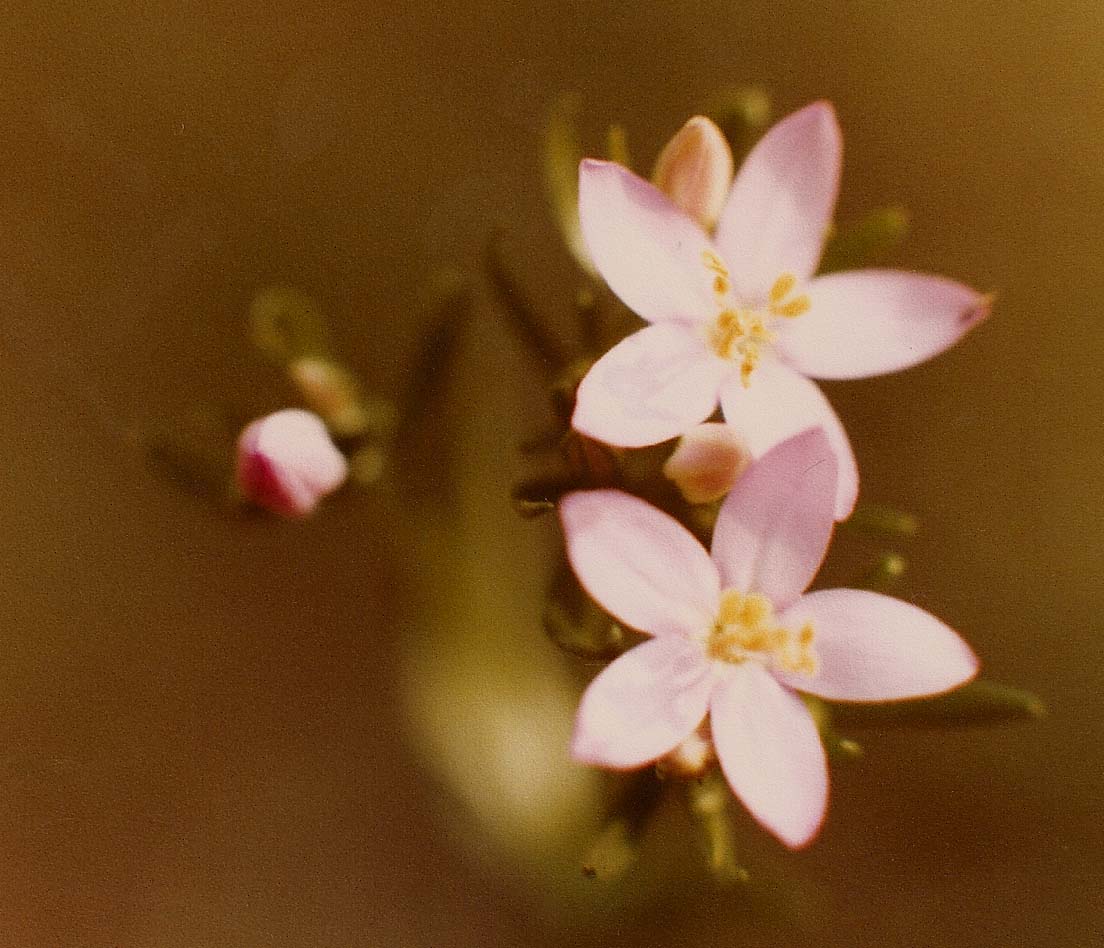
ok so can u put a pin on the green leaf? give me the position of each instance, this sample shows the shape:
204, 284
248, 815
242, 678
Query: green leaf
878, 518
562, 154
617, 145
575, 623
979, 702
520, 311
709, 801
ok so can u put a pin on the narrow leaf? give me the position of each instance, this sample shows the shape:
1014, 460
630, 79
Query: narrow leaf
980, 702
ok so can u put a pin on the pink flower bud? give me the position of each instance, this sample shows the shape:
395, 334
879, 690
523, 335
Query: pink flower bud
695, 170
707, 462
287, 462
691, 758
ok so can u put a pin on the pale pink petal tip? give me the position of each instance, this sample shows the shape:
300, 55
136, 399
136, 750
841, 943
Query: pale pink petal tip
287, 462
778, 212
872, 647
771, 755
708, 460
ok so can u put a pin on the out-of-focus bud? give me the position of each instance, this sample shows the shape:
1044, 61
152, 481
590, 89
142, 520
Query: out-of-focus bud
707, 462
332, 392
287, 462
695, 170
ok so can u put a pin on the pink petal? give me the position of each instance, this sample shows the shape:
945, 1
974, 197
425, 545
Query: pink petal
773, 528
643, 705
778, 404
781, 203
645, 248
771, 754
867, 322
654, 385
872, 647
639, 564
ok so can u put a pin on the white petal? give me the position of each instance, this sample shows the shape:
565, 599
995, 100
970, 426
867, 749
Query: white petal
770, 752
773, 528
872, 647
643, 705
781, 204
655, 385
780, 403
868, 322
640, 564
647, 250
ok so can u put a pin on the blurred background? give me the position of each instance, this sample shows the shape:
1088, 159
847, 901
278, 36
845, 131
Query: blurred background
352, 731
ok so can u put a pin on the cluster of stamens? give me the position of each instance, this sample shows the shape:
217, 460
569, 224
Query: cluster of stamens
737, 333
746, 628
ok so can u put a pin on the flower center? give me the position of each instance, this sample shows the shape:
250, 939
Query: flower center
746, 628
738, 332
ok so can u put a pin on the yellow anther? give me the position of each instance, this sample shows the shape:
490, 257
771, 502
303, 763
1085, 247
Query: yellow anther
782, 287
714, 263
746, 628
794, 307
720, 285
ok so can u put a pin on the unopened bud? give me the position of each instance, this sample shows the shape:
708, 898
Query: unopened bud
331, 392
691, 758
695, 170
287, 462
707, 462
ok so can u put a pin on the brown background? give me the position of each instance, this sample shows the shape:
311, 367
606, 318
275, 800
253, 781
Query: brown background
350, 732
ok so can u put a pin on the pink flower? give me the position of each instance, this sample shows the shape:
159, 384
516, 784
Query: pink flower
287, 462
735, 638
740, 318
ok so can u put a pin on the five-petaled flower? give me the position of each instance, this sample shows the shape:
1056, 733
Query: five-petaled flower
739, 318
734, 638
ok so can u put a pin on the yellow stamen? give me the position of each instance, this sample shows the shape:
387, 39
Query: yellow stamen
737, 334
782, 287
714, 263
746, 628
795, 307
